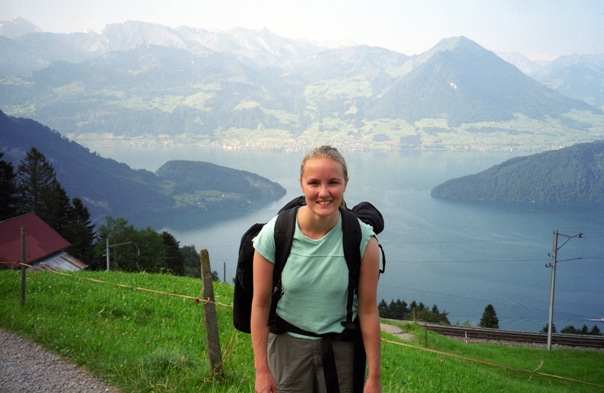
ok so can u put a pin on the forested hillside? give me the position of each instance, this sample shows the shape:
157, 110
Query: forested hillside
570, 175
108, 187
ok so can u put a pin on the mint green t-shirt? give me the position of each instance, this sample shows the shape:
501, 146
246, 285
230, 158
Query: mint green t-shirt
315, 277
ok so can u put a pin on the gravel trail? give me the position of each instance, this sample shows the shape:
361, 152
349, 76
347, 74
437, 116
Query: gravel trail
26, 367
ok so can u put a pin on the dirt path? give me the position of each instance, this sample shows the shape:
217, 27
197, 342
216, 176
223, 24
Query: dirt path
26, 367
395, 331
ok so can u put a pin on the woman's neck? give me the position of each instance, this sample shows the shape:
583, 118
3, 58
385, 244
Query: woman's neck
313, 226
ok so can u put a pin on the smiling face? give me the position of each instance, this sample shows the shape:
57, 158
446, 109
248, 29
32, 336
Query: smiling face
323, 183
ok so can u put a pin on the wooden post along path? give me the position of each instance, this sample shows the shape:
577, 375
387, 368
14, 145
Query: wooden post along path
23, 263
209, 315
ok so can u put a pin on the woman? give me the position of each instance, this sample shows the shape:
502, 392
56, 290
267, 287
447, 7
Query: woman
314, 281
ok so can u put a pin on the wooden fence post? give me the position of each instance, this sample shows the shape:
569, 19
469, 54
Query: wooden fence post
23, 262
209, 315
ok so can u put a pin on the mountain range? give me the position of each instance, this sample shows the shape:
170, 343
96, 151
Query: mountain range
197, 192
253, 89
579, 76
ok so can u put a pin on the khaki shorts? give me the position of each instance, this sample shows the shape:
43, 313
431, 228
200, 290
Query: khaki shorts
297, 366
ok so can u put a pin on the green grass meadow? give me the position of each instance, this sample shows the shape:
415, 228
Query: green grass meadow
145, 333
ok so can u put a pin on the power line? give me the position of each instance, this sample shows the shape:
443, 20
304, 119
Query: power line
432, 242
485, 260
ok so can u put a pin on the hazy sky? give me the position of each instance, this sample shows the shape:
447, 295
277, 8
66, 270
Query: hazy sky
536, 28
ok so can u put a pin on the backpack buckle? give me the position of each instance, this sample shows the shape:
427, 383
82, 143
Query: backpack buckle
348, 325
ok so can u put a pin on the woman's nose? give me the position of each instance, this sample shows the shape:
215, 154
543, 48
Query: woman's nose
323, 190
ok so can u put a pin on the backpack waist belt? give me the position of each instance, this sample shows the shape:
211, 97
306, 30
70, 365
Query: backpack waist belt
330, 372
282, 326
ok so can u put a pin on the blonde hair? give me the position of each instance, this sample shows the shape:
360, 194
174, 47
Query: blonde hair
326, 152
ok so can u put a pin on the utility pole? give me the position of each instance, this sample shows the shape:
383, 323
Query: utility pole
554, 256
551, 290
107, 252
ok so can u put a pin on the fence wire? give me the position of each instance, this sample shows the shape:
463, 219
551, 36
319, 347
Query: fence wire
386, 341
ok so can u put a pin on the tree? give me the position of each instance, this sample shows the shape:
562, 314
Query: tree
40, 192
399, 309
384, 310
570, 329
175, 261
35, 179
152, 258
215, 276
79, 231
489, 318
191, 263
433, 315
395, 310
8, 190
55, 207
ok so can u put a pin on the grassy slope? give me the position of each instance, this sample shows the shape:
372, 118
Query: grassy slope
146, 341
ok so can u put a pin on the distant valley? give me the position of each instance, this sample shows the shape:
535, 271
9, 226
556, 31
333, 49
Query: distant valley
143, 84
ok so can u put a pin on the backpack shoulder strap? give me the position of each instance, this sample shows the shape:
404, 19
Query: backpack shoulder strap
285, 226
351, 242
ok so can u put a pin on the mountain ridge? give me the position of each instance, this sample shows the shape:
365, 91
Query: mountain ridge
247, 88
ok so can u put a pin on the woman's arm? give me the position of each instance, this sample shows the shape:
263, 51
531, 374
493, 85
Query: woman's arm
368, 314
261, 303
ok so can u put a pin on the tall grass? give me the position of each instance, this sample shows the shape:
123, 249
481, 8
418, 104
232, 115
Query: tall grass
144, 341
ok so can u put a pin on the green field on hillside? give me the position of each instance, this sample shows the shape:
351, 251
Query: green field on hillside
145, 333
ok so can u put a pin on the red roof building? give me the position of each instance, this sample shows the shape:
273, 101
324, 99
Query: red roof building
44, 248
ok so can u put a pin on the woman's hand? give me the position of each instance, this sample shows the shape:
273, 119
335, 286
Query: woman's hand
372, 385
265, 382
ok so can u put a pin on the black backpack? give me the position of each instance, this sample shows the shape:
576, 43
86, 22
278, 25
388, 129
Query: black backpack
284, 233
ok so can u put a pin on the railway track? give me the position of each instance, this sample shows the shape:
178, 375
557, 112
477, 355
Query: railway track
572, 340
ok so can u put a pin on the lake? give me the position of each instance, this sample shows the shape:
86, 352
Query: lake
459, 256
